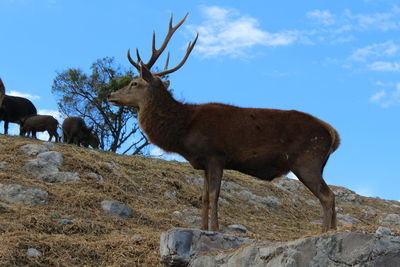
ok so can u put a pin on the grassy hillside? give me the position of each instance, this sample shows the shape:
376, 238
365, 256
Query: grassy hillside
73, 230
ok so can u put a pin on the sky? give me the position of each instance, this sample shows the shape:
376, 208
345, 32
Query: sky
337, 60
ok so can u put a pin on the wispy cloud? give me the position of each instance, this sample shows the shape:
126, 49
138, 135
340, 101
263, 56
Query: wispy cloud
387, 97
385, 49
29, 96
227, 32
385, 66
56, 114
322, 16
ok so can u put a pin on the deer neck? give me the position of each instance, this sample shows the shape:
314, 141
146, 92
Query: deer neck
164, 120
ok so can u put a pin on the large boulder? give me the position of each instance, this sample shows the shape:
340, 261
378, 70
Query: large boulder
16, 193
181, 247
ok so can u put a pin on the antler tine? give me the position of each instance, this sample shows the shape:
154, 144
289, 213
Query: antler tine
166, 63
157, 52
188, 51
136, 65
139, 60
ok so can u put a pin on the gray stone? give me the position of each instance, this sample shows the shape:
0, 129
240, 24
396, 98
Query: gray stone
383, 231
33, 252
311, 202
347, 219
4, 165
39, 167
51, 157
33, 149
116, 209
50, 145
179, 245
346, 196
59, 177
16, 193
289, 185
196, 180
96, 176
335, 249
392, 220
271, 202
170, 194
237, 228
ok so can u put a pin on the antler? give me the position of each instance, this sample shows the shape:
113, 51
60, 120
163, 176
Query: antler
157, 52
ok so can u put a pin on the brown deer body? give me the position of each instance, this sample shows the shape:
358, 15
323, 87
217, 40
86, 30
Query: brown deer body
265, 143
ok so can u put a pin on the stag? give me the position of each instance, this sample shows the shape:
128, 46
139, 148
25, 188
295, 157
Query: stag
264, 143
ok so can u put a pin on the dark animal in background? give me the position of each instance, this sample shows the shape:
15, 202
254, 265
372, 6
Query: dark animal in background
265, 143
2, 91
14, 108
76, 132
39, 123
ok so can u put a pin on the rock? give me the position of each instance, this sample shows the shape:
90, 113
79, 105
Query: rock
38, 167
110, 165
231, 186
196, 180
189, 215
170, 194
258, 201
51, 157
59, 177
33, 252
347, 196
392, 220
179, 245
16, 193
116, 209
311, 202
33, 149
96, 176
383, 231
347, 219
137, 236
336, 249
237, 228
271, 202
289, 185
65, 221
4, 165
49, 145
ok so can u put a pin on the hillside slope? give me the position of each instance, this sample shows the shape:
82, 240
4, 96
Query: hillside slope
72, 229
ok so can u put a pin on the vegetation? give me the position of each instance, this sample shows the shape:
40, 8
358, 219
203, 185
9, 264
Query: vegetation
85, 95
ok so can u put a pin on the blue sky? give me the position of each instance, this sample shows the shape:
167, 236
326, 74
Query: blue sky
339, 61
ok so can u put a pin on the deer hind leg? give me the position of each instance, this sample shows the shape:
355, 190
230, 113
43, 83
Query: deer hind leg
311, 177
212, 185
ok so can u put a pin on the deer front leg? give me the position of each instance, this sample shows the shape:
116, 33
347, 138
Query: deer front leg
215, 175
206, 203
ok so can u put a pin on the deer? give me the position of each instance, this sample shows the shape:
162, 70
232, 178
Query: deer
263, 143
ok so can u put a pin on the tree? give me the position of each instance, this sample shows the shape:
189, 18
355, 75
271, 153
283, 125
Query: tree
79, 94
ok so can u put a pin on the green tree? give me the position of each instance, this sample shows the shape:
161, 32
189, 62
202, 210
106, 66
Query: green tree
85, 95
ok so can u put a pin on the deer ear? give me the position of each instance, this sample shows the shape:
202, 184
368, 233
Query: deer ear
166, 84
145, 73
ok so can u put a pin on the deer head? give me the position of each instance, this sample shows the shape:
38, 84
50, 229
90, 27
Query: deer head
137, 91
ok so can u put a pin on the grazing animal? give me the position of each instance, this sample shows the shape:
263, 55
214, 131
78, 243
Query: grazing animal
39, 123
265, 143
2, 91
14, 108
76, 132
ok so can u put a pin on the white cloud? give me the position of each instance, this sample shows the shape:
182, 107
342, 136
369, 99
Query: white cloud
16, 93
227, 32
387, 97
378, 96
384, 21
56, 114
321, 16
159, 153
386, 49
384, 66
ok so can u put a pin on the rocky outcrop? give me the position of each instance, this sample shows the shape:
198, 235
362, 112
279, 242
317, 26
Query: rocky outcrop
16, 193
182, 247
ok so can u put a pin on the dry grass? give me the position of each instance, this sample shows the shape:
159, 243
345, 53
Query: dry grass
96, 239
